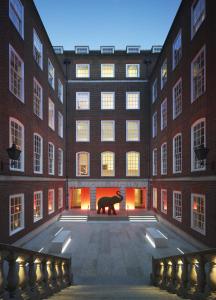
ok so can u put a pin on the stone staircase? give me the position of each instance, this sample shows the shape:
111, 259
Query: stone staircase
113, 292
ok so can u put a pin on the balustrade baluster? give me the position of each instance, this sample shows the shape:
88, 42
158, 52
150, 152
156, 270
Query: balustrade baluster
3, 292
23, 282
163, 274
12, 276
32, 278
54, 276
173, 277
193, 277
210, 292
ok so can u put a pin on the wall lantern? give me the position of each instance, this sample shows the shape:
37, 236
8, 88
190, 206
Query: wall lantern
201, 152
13, 153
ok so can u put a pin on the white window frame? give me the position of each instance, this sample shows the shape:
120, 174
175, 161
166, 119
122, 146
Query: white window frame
163, 81
77, 67
193, 195
60, 162
138, 70
53, 201
60, 124
179, 82
41, 205
193, 30
60, 91
179, 219
154, 90
113, 71
51, 74
40, 51
174, 62
108, 93
155, 197
154, 162
21, 29
138, 99
164, 159
154, 124
35, 82
41, 154
113, 129
77, 100
164, 120
127, 171
113, 157
77, 165
12, 232
88, 132
175, 171
60, 197
138, 133
52, 164
51, 122
162, 206
193, 156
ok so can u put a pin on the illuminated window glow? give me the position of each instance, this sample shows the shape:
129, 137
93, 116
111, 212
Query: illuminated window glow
51, 201
132, 70
133, 100
107, 100
38, 206
16, 213
82, 164
82, 100
82, 71
198, 213
133, 163
107, 70
132, 131
107, 131
107, 164
82, 131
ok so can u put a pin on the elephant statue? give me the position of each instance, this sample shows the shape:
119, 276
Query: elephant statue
109, 202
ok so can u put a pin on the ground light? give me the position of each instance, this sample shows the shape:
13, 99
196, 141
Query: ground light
150, 240
66, 245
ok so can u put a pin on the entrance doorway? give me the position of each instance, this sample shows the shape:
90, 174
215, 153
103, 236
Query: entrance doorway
135, 198
79, 198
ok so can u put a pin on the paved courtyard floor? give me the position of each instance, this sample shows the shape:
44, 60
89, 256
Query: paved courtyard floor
110, 252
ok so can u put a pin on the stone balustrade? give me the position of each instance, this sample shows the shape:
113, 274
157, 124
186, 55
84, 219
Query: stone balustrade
191, 275
26, 274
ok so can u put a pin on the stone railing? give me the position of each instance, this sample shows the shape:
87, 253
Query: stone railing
26, 274
191, 275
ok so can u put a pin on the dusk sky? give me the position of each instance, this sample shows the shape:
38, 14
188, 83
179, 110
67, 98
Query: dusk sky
107, 22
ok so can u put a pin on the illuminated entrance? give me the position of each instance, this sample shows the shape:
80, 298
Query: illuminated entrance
80, 198
135, 198
106, 192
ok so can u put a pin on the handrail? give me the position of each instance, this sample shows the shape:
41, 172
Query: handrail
27, 274
191, 275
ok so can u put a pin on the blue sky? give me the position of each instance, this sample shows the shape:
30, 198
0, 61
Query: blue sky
107, 22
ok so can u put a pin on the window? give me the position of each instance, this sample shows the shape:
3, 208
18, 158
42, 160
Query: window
82, 71
51, 74
107, 49
132, 131
60, 198
164, 159
60, 162
60, 90
38, 206
198, 213
154, 162
154, 91
177, 206
16, 74
60, 124
177, 50
164, 114
107, 100
82, 100
197, 15
107, 164
82, 131
51, 116
132, 70
177, 99
51, 159
16, 14
38, 99
177, 153
164, 74
81, 49
108, 70
107, 131
198, 75
164, 201
133, 49
17, 137
154, 125
37, 50
82, 164
198, 138
154, 197
132, 100
16, 213
51, 201
133, 163
38, 154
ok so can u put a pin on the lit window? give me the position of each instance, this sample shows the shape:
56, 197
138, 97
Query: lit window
177, 206
154, 91
154, 192
132, 70
198, 210
164, 201
82, 71
154, 162
164, 74
82, 164
177, 99
37, 50
38, 206
107, 164
164, 114
82, 100
16, 74
82, 131
177, 50
51, 74
132, 100
60, 90
60, 198
107, 100
16, 14
198, 139
51, 114
38, 99
107, 131
60, 124
132, 131
154, 125
177, 153
51, 159
16, 213
51, 201
164, 159
108, 70
198, 76
197, 15
17, 137
38, 154
60, 162
133, 163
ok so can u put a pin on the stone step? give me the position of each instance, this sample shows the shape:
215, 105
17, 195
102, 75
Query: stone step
107, 218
